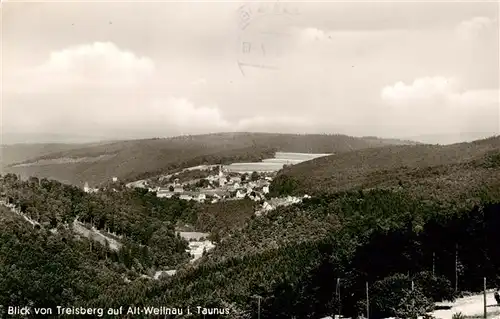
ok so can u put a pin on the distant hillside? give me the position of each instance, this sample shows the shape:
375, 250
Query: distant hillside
135, 159
16, 153
381, 166
452, 138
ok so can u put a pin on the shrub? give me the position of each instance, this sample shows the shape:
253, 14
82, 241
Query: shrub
458, 315
413, 304
387, 294
437, 288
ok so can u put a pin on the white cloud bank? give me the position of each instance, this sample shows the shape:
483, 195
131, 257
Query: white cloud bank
96, 65
101, 90
475, 27
442, 106
421, 88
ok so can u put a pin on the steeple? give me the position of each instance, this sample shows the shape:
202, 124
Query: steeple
222, 180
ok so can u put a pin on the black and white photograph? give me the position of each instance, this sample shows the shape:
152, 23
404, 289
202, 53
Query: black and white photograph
250, 159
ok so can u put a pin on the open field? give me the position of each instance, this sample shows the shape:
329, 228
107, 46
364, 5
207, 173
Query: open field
274, 164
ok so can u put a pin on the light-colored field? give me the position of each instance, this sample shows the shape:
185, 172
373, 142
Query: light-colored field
299, 156
273, 164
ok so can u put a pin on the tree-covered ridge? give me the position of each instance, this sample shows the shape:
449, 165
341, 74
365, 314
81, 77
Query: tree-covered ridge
137, 159
398, 229
462, 163
297, 276
367, 236
39, 268
143, 223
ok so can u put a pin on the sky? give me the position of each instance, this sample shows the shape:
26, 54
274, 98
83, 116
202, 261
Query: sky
119, 70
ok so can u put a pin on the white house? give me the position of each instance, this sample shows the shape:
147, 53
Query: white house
201, 198
256, 197
267, 207
240, 194
165, 195
88, 189
158, 274
236, 179
213, 178
186, 197
115, 179
265, 189
292, 200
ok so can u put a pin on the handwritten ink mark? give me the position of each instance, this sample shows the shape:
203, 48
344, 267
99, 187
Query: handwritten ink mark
247, 46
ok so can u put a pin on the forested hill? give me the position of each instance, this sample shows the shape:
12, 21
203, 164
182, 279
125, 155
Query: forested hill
134, 159
15, 153
384, 236
389, 166
409, 223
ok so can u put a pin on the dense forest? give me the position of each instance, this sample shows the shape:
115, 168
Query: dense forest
136, 159
396, 224
384, 166
293, 256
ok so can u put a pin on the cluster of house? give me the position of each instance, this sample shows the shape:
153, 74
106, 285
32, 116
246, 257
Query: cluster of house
217, 187
221, 186
272, 203
88, 189
224, 186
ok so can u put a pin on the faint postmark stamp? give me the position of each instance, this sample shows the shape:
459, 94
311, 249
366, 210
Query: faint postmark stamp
264, 34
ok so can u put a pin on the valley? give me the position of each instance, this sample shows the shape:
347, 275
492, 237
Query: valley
273, 233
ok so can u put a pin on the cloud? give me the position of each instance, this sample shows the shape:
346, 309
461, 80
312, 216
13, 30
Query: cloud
441, 104
101, 90
475, 27
184, 76
421, 88
99, 64
182, 113
199, 81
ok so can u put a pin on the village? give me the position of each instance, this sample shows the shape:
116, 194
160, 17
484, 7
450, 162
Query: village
215, 183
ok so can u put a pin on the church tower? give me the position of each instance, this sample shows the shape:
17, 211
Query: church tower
222, 180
